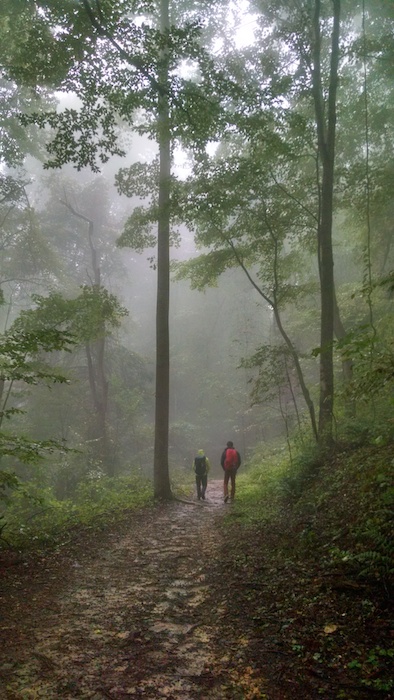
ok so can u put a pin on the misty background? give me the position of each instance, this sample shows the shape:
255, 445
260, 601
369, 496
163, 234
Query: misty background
234, 375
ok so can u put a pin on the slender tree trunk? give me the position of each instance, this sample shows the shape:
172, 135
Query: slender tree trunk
275, 308
326, 130
101, 394
340, 334
95, 355
347, 362
2, 407
162, 487
298, 369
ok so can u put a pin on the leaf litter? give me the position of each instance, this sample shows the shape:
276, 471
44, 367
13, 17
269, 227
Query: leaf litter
169, 604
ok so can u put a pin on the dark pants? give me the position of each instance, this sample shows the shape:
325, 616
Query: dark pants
229, 476
201, 483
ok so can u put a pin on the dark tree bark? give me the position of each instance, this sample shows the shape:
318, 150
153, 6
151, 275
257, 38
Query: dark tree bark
326, 131
162, 487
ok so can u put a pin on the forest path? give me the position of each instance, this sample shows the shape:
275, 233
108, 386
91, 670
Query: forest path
133, 615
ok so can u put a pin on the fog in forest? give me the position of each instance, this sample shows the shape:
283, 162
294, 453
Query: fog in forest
196, 349
257, 354
210, 331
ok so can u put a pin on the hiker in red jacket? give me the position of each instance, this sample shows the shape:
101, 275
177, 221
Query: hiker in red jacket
230, 461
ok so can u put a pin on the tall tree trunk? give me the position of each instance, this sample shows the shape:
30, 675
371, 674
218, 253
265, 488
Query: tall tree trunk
101, 394
95, 355
326, 130
162, 487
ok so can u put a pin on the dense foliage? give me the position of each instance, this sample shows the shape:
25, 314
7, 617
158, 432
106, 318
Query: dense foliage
265, 134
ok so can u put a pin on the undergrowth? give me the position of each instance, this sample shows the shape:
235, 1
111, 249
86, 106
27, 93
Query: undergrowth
322, 558
343, 505
34, 516
271, 478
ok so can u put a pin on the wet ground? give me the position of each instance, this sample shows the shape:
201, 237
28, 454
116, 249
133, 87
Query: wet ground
178, 601
131, 616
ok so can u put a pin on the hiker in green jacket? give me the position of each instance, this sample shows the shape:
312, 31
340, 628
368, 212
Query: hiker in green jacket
201, 468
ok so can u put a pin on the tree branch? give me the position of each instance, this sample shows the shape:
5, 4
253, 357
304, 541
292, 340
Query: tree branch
133, 61
247, 273
295, 199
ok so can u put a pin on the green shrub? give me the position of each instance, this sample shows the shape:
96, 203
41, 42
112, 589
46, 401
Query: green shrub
34, 515
259, 484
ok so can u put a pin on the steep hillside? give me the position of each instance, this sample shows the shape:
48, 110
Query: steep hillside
312, 580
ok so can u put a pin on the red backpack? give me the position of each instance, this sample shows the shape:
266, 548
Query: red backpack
231, 458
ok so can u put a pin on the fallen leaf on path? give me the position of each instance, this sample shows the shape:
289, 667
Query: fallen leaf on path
123, 635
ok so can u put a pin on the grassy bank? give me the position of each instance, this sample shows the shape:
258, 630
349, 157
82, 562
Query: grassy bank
34, 517
311, 556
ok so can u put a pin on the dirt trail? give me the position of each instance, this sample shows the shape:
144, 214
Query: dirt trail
132, 616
